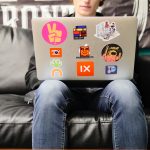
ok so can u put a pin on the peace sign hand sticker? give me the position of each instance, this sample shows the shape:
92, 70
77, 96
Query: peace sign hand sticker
54, 33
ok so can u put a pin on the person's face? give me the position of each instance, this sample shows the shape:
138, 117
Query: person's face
86, 7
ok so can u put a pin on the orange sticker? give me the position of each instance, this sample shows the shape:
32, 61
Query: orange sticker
56, 52
85, 68
56, 72
84, 51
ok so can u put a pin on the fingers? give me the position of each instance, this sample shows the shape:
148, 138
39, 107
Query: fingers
51, 29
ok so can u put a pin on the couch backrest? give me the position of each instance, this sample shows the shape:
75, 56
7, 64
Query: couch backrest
16, 48
143, 66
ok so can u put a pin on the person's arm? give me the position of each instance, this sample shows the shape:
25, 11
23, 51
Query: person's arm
31, 79
136, 72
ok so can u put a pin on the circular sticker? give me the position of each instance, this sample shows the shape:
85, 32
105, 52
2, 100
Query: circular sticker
112, 53
54, 32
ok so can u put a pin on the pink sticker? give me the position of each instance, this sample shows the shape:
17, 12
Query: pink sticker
54, 32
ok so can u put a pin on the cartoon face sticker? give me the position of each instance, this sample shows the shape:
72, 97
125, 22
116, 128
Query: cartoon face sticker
54, 32
112, 53
84, 51
106, 31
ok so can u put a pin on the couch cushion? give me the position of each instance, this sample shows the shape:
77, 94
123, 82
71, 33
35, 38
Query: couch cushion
15, 121
88, 130
85, 129
16, 49
93, 130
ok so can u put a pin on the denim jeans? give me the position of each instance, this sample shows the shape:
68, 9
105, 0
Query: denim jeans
120, 97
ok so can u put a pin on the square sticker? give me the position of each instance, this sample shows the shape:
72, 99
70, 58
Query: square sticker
85, 68
111, 69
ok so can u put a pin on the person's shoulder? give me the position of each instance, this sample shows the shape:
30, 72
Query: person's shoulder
73, 14
70, 15
99, 14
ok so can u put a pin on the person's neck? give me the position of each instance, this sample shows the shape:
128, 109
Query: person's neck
78, 15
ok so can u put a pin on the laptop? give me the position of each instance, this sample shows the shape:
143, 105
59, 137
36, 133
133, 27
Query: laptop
86, 48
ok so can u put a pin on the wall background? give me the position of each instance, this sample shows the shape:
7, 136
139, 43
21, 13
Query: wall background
18, 13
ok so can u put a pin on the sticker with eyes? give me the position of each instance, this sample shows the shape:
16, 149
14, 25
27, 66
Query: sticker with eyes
84, 52
112, 53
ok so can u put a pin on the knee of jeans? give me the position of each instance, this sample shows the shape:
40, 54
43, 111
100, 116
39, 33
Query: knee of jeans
124, 93
49, 87
51, 93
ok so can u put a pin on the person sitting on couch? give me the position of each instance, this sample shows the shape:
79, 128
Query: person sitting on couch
54, 100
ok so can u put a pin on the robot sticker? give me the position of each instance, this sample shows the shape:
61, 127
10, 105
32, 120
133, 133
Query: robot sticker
106, 31
112, 53
56, 63
54, 32
56, 71
80, 32
84, 52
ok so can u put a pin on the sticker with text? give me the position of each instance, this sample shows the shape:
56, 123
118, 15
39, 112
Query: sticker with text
111, 69
55, 52
85, 68
84, 52
80, 32
106, 31
54, 32
112, 53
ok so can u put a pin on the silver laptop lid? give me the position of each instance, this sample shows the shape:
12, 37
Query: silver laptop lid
89, 48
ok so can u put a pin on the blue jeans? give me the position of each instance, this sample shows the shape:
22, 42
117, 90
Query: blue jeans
120, 97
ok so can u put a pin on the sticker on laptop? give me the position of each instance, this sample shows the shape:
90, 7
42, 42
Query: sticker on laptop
111, 69
112, 53
84, 52
106, 31
55, 52
85, 68
54, 33
56, 63
80, 32
56, 71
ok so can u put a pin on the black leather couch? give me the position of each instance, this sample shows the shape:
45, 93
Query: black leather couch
85, 129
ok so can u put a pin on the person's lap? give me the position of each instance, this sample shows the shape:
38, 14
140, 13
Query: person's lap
83, 101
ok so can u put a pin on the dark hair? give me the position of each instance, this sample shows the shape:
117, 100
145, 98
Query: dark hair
101, 2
